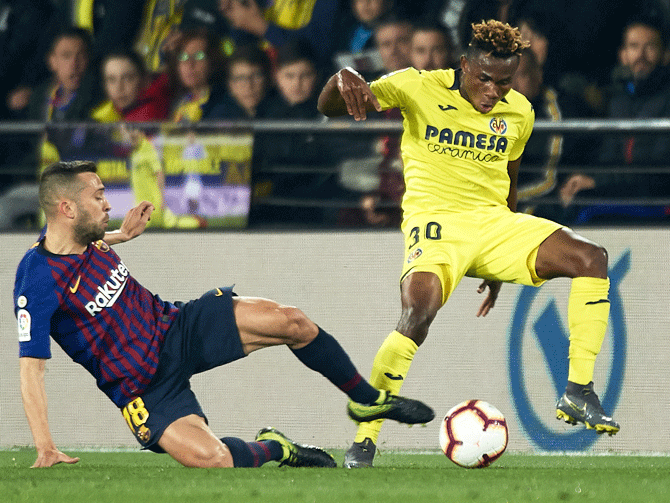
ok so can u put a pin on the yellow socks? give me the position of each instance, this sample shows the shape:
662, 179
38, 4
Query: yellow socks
588, 311
388, 372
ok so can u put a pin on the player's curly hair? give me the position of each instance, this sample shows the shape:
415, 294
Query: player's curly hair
497, 39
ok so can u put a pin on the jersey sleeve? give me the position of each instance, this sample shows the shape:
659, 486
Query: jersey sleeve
35, 303
526, 128
394, 89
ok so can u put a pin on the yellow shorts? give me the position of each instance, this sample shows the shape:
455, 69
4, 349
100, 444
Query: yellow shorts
490, 243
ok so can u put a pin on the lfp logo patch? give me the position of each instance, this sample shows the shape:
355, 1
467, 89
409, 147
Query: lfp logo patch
498, 125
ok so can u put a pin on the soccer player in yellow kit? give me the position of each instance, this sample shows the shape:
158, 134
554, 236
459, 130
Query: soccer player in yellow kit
464, 133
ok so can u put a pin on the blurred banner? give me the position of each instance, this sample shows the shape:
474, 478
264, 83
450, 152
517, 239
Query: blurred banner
194, 179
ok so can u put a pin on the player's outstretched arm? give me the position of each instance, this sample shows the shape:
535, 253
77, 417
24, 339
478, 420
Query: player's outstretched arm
35, 406
490, 300
133, 225
346, 92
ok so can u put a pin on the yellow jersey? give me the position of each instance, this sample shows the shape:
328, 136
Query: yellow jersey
454, 157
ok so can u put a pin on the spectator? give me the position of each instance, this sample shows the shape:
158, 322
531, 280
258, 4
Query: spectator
114, 24
393, 38
298, 81
430, 48
196, 66
543, 151
381, 207
354, 35
68, 94
356, 25
280, 22
248, 82
25, 35
132, 94
641, 91
26, 30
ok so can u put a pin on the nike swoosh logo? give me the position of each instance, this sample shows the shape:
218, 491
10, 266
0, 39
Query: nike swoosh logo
392, 377
575, 407
448, 107
73, 289
218, 293
601, 301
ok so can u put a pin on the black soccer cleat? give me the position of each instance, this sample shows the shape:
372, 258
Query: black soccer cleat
388, 406
580, 404
297, 455
360, 454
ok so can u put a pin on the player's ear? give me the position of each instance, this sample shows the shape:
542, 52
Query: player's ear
68, 208
464, 63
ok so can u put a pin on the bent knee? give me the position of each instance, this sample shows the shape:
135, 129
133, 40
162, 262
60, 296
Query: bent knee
296, 326
592, 261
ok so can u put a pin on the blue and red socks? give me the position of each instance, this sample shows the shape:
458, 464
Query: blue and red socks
253, 454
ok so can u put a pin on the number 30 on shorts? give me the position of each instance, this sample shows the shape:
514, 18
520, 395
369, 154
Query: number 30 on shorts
432, 231
136, 415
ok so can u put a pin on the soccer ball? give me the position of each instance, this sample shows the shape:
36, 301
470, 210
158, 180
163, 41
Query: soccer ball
473, 434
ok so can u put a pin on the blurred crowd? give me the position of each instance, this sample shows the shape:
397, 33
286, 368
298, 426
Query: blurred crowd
186, 61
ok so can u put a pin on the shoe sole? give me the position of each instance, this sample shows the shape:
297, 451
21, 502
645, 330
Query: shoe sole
356, 464
358, 416
600, 428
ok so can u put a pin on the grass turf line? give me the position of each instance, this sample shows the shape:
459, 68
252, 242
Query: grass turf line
398, 477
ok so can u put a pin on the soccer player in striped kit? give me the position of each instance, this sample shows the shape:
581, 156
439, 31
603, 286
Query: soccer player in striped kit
464, 133
143, 350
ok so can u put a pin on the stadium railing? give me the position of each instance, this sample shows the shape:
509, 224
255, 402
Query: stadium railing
642, 209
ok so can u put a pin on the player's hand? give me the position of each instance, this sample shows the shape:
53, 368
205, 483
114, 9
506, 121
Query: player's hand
244, 15
573, 185
133, 224
356, 93
18, 99
136, 220
490, 300
52, 457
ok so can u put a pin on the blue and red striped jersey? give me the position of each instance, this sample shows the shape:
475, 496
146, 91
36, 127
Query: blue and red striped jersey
96, 311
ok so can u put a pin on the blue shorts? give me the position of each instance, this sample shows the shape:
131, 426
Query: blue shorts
203, 336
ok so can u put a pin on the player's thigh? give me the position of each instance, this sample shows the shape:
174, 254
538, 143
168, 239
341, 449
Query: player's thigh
442, 244
264, 323
510, 243
191, 442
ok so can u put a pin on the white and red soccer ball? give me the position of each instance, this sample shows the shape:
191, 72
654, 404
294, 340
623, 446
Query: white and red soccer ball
473, 434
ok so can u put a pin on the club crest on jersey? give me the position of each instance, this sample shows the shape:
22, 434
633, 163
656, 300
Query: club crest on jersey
414, 255
102, 246
110, 291
498, 125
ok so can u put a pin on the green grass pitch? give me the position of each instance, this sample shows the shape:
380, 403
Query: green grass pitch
397, 477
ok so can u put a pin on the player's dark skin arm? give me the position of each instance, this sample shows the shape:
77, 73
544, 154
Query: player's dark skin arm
346, 92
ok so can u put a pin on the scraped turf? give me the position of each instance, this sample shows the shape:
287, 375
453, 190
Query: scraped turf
398, 477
